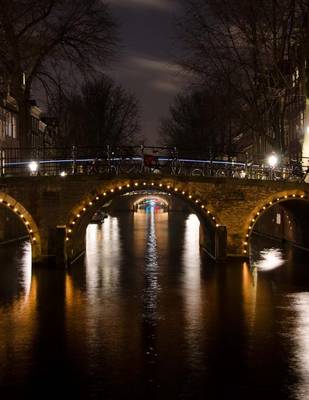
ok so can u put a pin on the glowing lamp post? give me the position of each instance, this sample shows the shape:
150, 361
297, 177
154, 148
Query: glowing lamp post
272, 162
33, 167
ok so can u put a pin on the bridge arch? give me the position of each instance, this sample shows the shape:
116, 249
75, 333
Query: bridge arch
80, 215
265, 205
26, 218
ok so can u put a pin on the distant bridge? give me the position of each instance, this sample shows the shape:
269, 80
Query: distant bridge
57, 209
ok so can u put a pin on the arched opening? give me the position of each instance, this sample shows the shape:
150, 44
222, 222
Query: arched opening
130, 197
278, 230
16, 223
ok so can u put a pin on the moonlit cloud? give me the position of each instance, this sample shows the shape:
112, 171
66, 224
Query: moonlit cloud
159, 75
163, 5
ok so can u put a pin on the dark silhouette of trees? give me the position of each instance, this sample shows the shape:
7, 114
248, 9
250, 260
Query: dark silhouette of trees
253, 48
44, 41
101, 113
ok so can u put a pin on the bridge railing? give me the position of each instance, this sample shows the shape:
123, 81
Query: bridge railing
136, 160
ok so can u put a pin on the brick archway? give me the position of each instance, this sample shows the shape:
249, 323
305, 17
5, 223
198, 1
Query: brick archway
82, 213
262, 207
26, 218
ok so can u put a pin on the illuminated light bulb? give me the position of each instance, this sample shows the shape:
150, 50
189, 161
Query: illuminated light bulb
245, 243
144, 183
33, 166
160, 185
257, 213
285, 196
176, 189
245, 251
30, 230
270, 202
112, 190
302, 196
190, 197
34, 239
152, 183
21, 215
278, 199
67, 239
168, 186
213, 218
208, 212
9, 204
253, 220
264, 208
217, 225
120, 187
128, 185
294, 195
63, 174
77, 215
1, 200
250, 227
84, 209
15, 209
73, 223
90, 203
202, 206
135, 184
247, 235
27, 223
273, 160
70, 230
97, 198
183, 192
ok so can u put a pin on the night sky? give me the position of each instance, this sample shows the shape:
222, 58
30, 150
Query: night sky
147, 64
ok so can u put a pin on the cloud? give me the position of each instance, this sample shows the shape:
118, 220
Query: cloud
166, 86
163, 5
155, 74
155, 65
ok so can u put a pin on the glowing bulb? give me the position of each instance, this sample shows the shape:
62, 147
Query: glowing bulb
272, 160
33, 166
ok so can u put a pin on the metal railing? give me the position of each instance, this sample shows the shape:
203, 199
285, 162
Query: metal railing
137, 160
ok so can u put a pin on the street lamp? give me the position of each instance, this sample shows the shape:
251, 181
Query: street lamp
272, 160
33, 167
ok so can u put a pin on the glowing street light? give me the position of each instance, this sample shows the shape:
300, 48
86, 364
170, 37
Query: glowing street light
63, 174
33, 167
273, 160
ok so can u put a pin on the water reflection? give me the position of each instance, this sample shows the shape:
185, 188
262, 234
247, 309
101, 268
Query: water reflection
298, 317
269, 259
146, 316
192, 289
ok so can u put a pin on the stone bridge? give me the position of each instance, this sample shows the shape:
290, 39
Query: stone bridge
56, 210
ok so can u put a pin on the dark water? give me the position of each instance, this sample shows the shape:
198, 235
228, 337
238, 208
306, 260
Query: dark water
147, 316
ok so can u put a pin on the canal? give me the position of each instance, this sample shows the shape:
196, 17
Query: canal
147, 315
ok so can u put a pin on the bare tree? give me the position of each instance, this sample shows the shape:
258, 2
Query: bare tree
41, 40
254, 47
102, 113
201, 122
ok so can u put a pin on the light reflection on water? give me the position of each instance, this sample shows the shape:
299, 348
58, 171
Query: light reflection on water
269, 259
147, 316
299, 317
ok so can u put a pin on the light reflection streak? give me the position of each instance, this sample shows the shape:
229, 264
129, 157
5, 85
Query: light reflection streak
102, 243
300, 302
151, 270
269, 259
192, 287
249, 284
26, 268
